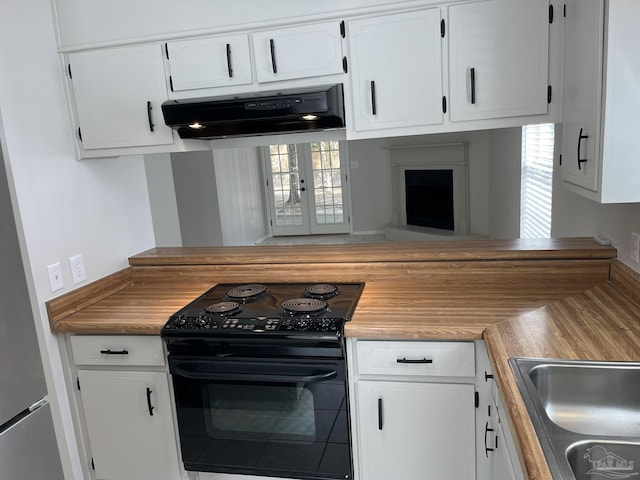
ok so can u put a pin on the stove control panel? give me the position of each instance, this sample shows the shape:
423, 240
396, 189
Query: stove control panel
205, 323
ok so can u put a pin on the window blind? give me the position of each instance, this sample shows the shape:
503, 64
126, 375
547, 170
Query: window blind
537, 179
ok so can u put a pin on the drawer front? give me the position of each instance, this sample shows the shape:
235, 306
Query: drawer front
117, 350
441, 359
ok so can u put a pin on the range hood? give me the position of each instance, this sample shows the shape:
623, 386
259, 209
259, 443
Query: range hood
285, 112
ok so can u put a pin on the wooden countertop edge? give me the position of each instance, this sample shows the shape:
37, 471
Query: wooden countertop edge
455, 332
477, 250
525, 436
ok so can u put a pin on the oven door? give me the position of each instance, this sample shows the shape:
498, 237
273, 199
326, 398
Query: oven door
275, 417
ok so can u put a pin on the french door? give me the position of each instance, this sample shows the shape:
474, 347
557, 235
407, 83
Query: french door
307, 188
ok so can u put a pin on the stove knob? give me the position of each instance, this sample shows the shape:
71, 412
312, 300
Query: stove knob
303, 324
326, 325
180, 321
202, 321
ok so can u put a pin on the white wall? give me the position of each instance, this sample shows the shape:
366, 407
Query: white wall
370, 185
240, 195
99, 208
505, 166
197, 199
162, 196
219, 197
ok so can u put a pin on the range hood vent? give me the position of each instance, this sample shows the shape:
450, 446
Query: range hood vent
287, 112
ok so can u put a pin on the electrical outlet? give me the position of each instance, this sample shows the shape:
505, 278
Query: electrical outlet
56, 282
78, 273
635, 247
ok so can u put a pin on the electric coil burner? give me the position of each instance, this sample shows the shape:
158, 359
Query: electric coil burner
260, 382
247, 293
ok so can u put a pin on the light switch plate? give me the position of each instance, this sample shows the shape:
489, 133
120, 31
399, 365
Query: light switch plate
56, 282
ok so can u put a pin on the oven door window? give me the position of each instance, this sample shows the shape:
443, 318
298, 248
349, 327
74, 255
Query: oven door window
272, 417
281, 412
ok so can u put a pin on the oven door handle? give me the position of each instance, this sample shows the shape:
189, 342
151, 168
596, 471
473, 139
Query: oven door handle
200, 374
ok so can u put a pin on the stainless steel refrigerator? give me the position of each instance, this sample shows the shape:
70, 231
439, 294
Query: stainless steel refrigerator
28, 448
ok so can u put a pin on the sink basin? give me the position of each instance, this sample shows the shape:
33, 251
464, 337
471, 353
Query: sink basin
592, 399
586, 415
604, 460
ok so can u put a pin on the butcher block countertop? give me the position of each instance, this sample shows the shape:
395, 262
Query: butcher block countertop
548, 298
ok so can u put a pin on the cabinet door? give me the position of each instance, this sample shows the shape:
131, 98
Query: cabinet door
582, 94
498, 58
426, 430
298, 52
130, 425
209, 62
396, 70
620, 153
118, 94
502, 469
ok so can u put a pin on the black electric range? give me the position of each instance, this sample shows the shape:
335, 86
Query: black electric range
259, 379
269, 310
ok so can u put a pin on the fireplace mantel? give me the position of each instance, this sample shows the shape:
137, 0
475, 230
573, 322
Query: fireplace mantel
450, 156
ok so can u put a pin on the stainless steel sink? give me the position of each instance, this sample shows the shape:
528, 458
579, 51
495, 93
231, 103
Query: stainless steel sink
586, 415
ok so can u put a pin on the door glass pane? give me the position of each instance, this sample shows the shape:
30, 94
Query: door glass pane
285, 179
327, 182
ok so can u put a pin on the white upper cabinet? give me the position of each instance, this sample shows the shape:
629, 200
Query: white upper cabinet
118, 95
298, 52
498, 58
600, 154
209, 62
439, 68
396, 70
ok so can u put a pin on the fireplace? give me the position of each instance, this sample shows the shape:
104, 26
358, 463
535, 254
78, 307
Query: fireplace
429, 198
430, 189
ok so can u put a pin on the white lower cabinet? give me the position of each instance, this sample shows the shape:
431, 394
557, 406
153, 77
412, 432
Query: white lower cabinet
130, 426
499, 444
415, 430
502, 469
126, 407
413, 409
498, 457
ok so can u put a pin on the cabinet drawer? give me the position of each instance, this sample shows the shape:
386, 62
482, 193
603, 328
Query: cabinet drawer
117, 350
442, 359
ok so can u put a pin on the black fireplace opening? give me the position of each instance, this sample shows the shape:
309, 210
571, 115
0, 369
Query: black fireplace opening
429, 198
